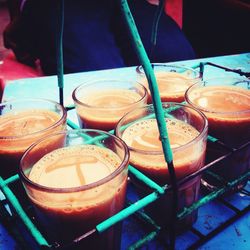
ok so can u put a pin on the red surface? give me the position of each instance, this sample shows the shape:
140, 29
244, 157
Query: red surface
11, 69
174, 9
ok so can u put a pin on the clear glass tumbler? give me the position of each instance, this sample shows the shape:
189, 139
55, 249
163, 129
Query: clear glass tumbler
101, 103
226, 103
75, 180
23, 122
173, 81
187, 130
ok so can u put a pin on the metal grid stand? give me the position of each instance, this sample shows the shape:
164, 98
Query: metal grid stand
16, 213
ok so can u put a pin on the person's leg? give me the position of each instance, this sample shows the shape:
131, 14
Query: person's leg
88, 43
172, 45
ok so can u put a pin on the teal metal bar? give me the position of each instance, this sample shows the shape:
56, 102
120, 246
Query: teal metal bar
70, 106
211, 138
23, 216
142, 55
143, 216
11, 179
72, 124
127, 211
146, 180
60, 71
144, 240
216, 176
147, 238
7, 222
220, 191
153, 87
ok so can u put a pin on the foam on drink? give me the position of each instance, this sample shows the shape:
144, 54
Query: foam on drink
221, 98
103, 109
26, 122
144, 135
67, 215
18, 130
172, 86
188, 146
146, 154
74, 166
111, 98
227, 109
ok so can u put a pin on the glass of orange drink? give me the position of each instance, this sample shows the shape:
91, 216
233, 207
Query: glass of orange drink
187, 131
22, 122
101, 103
76, 184
226, 103
173, 80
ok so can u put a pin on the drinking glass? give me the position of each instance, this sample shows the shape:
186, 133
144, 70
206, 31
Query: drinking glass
22, 122
173, 81
101, 103
226, 103
187, 131
75, 180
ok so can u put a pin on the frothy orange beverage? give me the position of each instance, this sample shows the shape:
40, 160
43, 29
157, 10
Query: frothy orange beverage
147, 155
227, 109
68, 215
105, 108
18, 130
76, 166
172, 86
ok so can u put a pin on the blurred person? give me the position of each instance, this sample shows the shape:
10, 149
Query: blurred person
95, 35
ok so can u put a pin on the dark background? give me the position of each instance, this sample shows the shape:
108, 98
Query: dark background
214, 27
217, 27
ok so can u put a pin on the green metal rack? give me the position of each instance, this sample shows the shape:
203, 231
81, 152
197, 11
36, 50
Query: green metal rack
21, 212
133, 209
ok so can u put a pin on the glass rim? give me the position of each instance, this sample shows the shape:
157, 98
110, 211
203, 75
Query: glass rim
76, 100
123, 164
202, 109
182, 147
139, 69
62, 116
